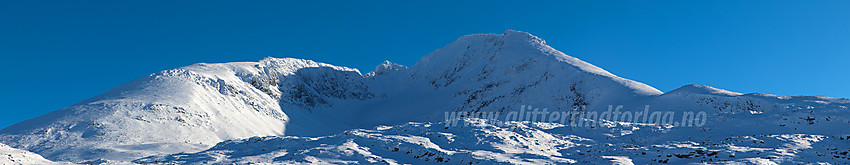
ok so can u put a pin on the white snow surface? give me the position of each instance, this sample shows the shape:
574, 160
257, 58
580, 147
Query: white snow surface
12, 156
295, 111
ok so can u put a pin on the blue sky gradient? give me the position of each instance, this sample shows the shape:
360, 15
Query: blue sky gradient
57, 53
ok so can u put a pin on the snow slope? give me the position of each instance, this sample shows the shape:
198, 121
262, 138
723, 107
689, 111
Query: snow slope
10, 156
482, 73
283, 110
180, 110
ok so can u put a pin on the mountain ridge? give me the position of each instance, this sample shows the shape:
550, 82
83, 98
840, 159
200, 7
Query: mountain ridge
193, 108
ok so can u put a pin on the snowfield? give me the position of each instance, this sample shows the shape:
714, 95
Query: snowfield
295, 111
10, 156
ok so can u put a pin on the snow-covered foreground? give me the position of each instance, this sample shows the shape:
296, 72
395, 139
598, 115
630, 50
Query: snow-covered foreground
10, 156
418, 143
786, 136
291, 111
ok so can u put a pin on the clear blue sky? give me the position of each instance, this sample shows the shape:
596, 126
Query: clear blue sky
57, 53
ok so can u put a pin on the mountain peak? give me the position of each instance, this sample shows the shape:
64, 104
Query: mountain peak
523, 36
703, 89
386, 67
514, 50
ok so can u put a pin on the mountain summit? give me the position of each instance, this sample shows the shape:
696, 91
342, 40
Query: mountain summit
285, 110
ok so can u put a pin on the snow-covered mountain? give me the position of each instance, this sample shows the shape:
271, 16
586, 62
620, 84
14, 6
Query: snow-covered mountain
185, 109
283, 110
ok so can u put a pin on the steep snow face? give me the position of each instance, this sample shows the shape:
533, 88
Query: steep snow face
184, 110
486, 73
514, 53
496, 72
12, 156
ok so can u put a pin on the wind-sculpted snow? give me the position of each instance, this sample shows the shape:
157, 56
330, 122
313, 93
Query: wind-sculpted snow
292, 111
